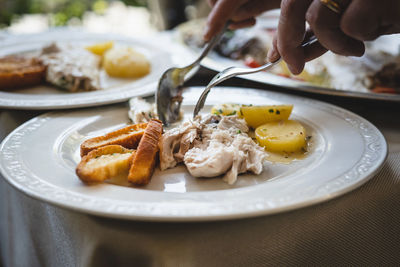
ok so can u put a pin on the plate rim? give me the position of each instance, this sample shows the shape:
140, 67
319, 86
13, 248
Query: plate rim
378, 164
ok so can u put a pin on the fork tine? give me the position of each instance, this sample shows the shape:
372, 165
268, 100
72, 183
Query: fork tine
220, 77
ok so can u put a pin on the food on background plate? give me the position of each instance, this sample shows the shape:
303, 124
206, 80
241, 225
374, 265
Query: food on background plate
375, 72
253, 49
130, 151
250, 47
100, 48
71, 68
249, 44
362, 74
145, 158
104, 163
18, 72
125, 62
389, 75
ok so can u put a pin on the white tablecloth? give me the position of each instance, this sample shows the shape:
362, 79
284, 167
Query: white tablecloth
359, 228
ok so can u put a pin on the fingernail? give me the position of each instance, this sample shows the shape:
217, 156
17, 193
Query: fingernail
272, 55
294, 70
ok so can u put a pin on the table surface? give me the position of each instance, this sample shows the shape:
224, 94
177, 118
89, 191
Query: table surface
360, 228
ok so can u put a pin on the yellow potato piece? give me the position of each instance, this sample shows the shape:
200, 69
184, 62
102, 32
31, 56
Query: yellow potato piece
319, 78
304, 75
125, 62
258, 115
282, 136
227, 109
100, 48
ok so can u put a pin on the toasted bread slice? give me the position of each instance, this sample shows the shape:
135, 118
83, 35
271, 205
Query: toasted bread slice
17, 72
128, 137
104, 163
144, 160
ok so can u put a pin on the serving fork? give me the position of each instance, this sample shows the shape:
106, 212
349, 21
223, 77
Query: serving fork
169, 91
236, 71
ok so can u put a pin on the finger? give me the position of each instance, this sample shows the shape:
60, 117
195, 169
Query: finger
219, 15
273, 54
310, 51
252, 9
366, 20
291, 29
211, 3
325, 24
242, 24
389, 15
314, 50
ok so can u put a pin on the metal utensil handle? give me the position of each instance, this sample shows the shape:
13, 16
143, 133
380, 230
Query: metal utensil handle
210, 45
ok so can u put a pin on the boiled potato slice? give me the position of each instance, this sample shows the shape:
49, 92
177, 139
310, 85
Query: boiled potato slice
258, 115
320, 77
282, 136
100, 48
125, 62
304, 75
226, 109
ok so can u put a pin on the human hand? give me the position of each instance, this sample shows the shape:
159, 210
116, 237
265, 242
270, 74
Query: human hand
242, 14
344, 34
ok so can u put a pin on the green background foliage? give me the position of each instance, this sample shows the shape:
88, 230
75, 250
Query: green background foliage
60, 11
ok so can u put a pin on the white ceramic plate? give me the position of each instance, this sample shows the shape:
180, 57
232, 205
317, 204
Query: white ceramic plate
114, 90
39, 158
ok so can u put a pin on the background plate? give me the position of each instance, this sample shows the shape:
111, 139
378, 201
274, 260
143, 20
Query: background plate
115, 90
269, 20
219, 63
39, 158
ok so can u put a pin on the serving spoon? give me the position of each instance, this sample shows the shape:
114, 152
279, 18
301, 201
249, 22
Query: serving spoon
169, 91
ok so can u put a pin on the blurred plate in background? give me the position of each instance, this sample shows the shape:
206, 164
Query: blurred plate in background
114, 90
330, 74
